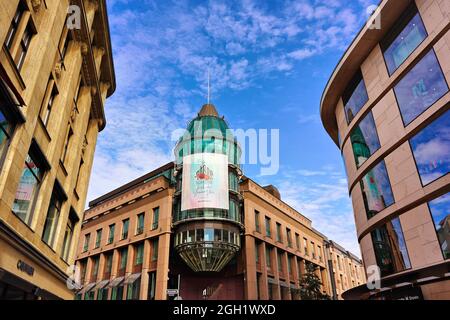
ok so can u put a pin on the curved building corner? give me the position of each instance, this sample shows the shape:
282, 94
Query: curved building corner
386, 106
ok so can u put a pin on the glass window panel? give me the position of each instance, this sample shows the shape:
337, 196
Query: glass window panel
420, 88
111, 233
440, 212
226, 236
390, 248
51, 221
354, 97
376, 190
404, 38
364, 140
217, 235
199, 235
27, 190
268, 257
431, 149
123, 258
209, 234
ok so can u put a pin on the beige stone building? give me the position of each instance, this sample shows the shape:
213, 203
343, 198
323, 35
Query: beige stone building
346, 268
137, 243
386, 106
53, 84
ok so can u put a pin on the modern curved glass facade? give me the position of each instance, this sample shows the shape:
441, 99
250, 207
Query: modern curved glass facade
204, 248
387, 110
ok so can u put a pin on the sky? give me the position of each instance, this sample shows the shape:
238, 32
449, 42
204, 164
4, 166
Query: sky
269, 62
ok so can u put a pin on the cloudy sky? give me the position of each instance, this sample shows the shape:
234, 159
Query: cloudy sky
269, 62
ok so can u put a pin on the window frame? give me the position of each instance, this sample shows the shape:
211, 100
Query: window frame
402, 22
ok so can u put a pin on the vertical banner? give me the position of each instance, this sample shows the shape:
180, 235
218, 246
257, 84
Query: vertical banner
205, 181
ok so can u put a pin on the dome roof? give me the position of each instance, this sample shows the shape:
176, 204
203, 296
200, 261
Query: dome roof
208, 110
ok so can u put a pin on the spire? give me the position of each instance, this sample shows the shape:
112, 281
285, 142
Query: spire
209, 87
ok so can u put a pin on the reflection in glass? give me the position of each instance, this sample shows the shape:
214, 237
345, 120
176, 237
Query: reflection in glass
441, 216
403, 39
27, 190
420, 88
364, 140
431, 149
354, 97
376, 190
390, 248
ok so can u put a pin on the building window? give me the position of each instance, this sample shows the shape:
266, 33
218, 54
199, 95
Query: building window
151, 285
257, 245
134, 289
102, 294
364, 140
80, 170
420, 88
390, 248
155, 244
406, 35
376, 190
439, 209
24, 39
140, 223
112, 227
319, 253
431, 149
125, 225
68, 235
257, 227
87, 238
23, 48
117, 293
155, 218
305, 245
6, 126
268, 233
313, 250
139, 254
289, 265
268, 257
14, 25
279, 262
98, 238
297, 241
28, 187
52, 219
279, 232
67, 144
96, 263
108, 265
289, 238
47, 103
123, 258
354, 97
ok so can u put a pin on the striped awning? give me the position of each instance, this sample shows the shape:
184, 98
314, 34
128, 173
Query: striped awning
132, 278
115, 282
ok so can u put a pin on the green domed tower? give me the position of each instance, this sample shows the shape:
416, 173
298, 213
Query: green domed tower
207, 216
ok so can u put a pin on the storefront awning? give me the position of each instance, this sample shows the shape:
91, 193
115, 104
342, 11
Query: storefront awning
101, 284
115, 282
87, 288
132, 278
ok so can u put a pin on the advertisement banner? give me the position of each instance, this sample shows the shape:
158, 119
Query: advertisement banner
205, 181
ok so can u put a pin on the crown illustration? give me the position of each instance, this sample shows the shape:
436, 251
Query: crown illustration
204, 173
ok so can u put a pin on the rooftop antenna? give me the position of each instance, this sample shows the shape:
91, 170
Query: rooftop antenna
209, 86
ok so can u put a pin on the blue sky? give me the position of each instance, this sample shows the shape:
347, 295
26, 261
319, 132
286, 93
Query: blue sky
269, 62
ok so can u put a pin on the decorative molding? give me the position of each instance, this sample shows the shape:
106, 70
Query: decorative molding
36, 4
